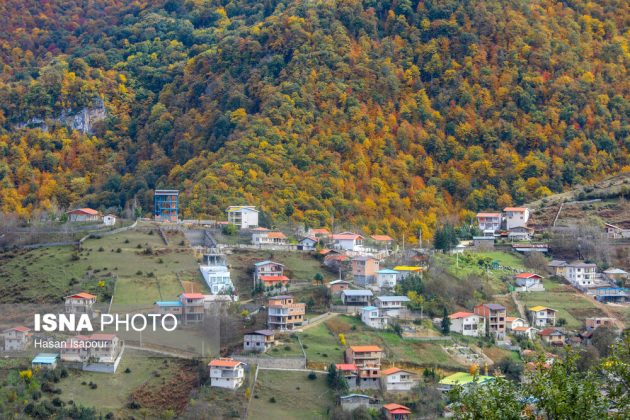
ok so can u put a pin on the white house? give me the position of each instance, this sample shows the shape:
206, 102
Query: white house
307, 243
226, 373
243, 216
525, 331
348, 241
80, 303
580, 274
372, 317
16, 338
512, 322
468, 323
269, 238
391, 305
395, 379
386, 278
516, 216
109, 220
520, 233
489, 222
541, 316
216, 274
529, 282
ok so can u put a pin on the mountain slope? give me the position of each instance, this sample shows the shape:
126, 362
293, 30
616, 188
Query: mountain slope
386, 115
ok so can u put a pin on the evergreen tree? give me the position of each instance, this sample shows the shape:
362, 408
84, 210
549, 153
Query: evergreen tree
446, 323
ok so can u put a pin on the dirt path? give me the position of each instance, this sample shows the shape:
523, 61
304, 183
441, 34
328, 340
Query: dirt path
319, 319
519, 305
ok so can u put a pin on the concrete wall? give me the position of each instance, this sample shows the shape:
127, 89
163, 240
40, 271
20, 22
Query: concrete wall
274, 363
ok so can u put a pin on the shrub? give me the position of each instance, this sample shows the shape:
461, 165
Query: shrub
118, 250
139, 273
127, 370
134, 405
287, 348
312, 376
101, 249
126, 241
272, 399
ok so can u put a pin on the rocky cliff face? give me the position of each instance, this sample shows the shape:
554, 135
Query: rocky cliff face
83, 120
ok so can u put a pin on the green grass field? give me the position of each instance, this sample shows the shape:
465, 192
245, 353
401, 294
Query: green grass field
113, 390
570, 305
48, 274
298, 267
322, 345
296, 396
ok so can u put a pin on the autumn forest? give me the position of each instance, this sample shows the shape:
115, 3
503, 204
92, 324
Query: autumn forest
390, 115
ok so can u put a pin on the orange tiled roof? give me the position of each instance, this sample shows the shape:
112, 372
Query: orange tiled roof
85, 210
397, 408
458, 315
515, 209
346, 366
276, 235
361, 349
82, 295
273, 279
192, 295
224, 363
391, 370
382, 238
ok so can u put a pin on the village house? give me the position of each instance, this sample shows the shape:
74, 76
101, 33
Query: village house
373, 318
512, 322
495, 315
391, 306
265, 238
553, 336
520, 233
335, 261
616, 232
580, 274
489, 223
396, 412
529, 282
364, 270
350, 372
368, 362
284, 313
353, 401
596, 322
193, 308
348, 241
226, 373
515, 217
338, 286
308, 243
172, 307
214, 270
381, 241
80, 303
541, 316
94, 353
386, 278
243, 217
319, 233
463, 379
269, 269
109, 220
16, 338
45, 361
356, 297
395, 379
558, 267
258, 341
84, 215
405, 271
525, 331
481, 243
467, 323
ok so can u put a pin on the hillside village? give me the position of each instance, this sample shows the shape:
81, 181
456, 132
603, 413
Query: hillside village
359, 311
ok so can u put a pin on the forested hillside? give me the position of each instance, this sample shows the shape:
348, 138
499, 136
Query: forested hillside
388, 115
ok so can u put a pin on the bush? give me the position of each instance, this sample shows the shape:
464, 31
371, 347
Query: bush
272, 399
312, 376
287, 348
127, 370
139, 273
118, 250
134, 405
101, 249
126, 241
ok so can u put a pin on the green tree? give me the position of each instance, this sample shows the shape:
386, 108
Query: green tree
446, 322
